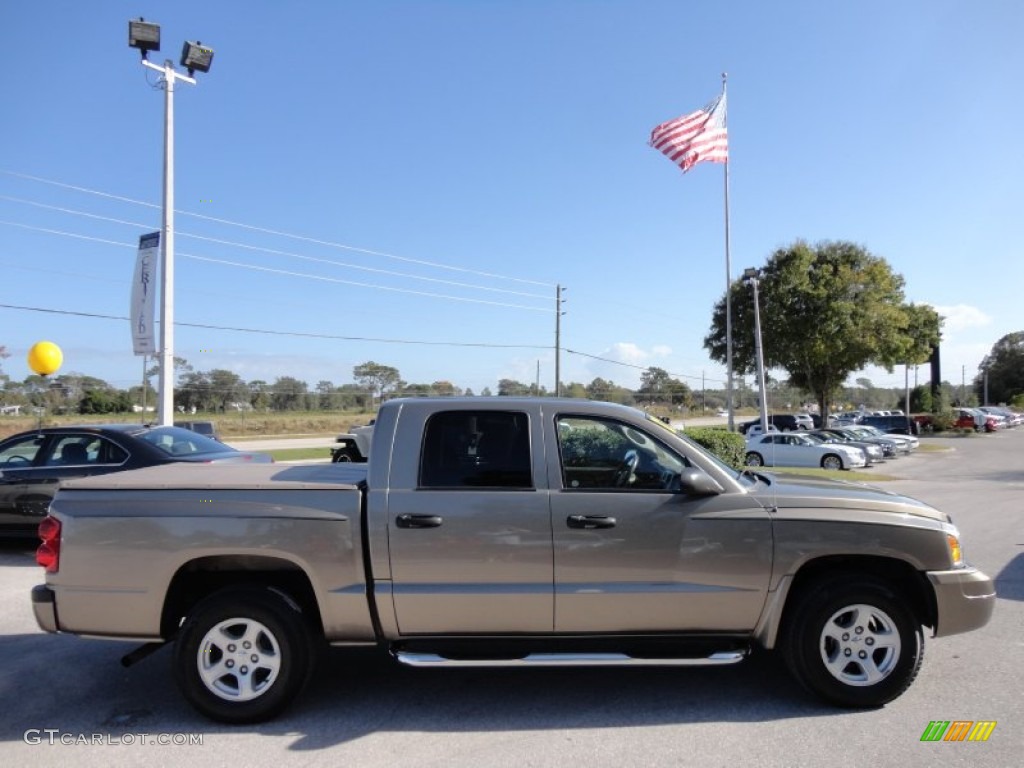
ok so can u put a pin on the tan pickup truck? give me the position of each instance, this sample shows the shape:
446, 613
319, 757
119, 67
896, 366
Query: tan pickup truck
504, 531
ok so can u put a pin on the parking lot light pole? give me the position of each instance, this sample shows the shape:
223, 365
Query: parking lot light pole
750, 276
146, 37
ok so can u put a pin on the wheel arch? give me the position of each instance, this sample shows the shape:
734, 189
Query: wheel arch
201, 577
900, 576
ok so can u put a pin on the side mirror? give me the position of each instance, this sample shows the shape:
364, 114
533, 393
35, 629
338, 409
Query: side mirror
694, 482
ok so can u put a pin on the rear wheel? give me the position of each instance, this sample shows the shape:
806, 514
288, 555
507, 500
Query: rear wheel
754, 460
243, 654
853, 642
343, 454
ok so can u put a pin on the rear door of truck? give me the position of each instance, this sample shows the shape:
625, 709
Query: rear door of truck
469, 524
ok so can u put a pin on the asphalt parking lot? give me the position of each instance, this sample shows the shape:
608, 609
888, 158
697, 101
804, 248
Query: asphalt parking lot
363, 710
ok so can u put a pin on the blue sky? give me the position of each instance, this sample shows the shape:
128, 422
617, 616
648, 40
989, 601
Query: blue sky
477, 154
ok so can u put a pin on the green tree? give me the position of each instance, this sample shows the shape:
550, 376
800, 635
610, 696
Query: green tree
95, 401
181, 367
288, 394
194, 391
327, 397
444, 388
259, 395
513, 388
417, 390
354, 397
1005, 367
574, 389
827, 311
659, 388
920, 400
376, 377
609, 392
226, 389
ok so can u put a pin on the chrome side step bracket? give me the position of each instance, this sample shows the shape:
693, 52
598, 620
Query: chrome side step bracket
568, 660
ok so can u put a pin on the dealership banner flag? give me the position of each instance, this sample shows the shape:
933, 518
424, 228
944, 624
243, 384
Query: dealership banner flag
143, 293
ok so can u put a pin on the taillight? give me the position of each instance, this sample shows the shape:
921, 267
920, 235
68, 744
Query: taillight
48, 554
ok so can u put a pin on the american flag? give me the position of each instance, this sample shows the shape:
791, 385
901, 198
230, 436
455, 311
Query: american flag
695, 138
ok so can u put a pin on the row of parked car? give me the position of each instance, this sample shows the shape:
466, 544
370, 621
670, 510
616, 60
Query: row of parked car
987, 418
846, 447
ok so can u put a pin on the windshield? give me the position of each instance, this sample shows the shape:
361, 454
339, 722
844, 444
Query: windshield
175, 441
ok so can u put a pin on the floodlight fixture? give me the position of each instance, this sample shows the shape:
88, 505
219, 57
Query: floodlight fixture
196, 57
751, 273
144, 35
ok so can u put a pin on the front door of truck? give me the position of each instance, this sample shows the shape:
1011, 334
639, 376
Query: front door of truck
633, 553
470, 540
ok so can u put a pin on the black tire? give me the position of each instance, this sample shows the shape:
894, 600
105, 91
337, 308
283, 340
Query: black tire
754, 460
883, 648
831, 461
343, 455
271, 670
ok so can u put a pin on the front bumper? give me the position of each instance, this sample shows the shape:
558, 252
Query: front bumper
44, 606
964, 599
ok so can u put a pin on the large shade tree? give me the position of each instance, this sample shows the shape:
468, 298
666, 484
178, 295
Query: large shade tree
376, 377
827, 311
658, 386
1005, 367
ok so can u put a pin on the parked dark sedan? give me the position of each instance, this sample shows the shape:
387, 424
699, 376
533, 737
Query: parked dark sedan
32, 464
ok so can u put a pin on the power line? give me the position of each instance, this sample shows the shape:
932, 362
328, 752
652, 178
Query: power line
279, 233
638, 367
303, 275
333, 337
337, 337
273, 251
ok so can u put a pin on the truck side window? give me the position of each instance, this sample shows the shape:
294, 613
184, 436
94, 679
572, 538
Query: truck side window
599, 453
476, 449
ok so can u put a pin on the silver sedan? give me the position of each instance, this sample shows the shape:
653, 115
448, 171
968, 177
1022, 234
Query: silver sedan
795, 449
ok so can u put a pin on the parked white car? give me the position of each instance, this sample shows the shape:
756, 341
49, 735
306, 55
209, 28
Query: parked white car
907, 442
1012, 418
798, 450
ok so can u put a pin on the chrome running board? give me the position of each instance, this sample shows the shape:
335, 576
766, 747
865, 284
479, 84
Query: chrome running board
568, 660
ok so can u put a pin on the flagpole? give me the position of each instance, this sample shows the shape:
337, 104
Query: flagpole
728, 285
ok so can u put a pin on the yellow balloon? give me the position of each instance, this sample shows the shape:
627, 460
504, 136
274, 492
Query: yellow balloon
45, 358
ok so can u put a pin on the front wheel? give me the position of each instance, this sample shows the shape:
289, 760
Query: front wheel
754, 460
243, 654
831, 462
853, 642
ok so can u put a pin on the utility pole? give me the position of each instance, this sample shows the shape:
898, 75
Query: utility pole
558, 340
